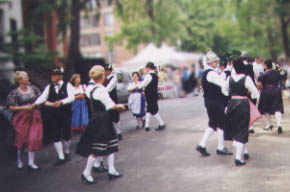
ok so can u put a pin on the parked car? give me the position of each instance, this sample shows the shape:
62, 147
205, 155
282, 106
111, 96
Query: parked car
124, 79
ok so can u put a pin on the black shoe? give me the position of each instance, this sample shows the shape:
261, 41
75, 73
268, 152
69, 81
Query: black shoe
114, 176
137, 127
147, 129
246, 156
59, 162
223, 152
251, 131
239, 163
86, 181
268, 128
280, 130
202, 151
67, 157
30, 168
100, 169
120, 137
161, 127
143, 123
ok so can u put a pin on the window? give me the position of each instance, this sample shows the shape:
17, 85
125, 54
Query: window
96, 20
90, 39
1, 28
111, 57
108, 3
108, 19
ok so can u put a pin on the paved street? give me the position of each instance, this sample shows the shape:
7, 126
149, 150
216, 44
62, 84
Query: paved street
167, 161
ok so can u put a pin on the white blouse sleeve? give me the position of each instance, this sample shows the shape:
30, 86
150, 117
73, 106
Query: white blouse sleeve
102, 95
226, 87
249, 84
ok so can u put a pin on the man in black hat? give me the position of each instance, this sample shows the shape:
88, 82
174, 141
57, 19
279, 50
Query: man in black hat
111, 86
150, 83
58, 96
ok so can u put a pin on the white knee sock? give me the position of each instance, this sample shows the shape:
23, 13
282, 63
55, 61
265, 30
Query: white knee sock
59, 150
205, 137
278, 116
221, 143
157, 116
98, 161
66, 146
245, 150
268, 120
19, 158
252, 127
239, 150
31, 156
147, 122
89, 166
111, 164
117, 127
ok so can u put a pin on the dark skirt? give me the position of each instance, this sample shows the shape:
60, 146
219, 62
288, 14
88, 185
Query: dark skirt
237, 121
99, 138
216, 113
271, 100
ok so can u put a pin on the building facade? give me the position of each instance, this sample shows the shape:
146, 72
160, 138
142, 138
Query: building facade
95, 26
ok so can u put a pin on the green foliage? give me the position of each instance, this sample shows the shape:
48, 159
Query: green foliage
38, 57
198, 25
146, 21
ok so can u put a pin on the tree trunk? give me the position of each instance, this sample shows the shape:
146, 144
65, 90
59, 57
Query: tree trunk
150, 12
271, 45
74, 54
285, 38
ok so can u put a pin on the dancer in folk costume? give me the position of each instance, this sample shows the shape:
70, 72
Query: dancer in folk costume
100, 138
26, 119
79, 107
58, 96
214, 103
249, 71
111, 86
241, 112
271, 102
136, 101
150, 83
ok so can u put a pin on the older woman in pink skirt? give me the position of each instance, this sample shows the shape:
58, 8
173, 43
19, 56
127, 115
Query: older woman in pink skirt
26, 120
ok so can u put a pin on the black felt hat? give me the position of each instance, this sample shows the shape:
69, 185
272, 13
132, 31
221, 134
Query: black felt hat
150, 65
108, 67
57, 71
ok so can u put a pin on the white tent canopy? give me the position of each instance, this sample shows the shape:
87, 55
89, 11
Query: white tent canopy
160, 56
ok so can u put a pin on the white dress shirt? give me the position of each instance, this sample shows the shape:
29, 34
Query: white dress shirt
249, 84
215, 78
113, 83
101, 94
146, 81
258, 69
44, 96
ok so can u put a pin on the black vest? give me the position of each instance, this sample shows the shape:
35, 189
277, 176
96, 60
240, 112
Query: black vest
62, 94
228, 73
238, 88
211, 91
151, 91
113, 94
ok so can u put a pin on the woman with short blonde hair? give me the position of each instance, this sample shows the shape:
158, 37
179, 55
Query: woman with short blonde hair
26, 120
100, 138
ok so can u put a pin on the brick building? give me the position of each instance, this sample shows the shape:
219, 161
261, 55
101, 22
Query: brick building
95, 27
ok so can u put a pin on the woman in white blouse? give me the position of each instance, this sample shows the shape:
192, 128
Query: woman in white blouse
136, 101
100, 138
79, 107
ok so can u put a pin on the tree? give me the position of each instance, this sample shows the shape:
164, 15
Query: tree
146, 21
282, 10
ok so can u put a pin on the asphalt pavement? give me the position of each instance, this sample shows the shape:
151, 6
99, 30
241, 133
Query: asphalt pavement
167, 161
